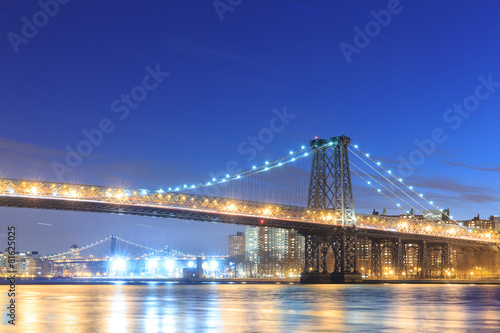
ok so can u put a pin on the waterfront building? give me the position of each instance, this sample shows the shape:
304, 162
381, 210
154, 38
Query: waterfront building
491, 224
237, 244
274, 252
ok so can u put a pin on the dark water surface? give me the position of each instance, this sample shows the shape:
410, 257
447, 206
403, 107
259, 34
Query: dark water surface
255, 308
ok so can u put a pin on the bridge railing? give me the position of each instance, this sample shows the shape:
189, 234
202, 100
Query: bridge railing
194, 202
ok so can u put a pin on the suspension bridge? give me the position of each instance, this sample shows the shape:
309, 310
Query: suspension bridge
108, 247
284, 194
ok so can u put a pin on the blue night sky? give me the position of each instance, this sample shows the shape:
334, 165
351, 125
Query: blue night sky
228, 69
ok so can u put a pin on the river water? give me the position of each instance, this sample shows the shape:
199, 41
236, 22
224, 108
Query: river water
255, 308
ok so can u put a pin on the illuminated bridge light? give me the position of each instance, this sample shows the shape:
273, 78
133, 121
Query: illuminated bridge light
411, 187
280, 164
367, 155
356, 146
400, 179
293, 159
254, 167
378, 163
303, 147
267, 162
291, 152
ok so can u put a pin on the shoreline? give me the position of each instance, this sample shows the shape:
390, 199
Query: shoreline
294, 281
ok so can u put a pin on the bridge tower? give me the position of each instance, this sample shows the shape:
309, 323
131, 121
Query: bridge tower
331, 189
113, 245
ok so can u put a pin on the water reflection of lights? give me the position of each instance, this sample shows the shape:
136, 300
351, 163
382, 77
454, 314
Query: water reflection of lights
118, 310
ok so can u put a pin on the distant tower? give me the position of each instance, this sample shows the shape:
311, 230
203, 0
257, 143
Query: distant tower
113, 245
74, 251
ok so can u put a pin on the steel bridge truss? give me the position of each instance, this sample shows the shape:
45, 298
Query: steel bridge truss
330, 190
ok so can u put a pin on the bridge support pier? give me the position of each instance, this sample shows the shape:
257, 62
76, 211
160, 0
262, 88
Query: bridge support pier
343, 243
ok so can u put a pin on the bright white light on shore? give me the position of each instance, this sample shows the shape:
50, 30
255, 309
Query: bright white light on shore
152, 264
170, 264
118, 265
191, 264
213, 265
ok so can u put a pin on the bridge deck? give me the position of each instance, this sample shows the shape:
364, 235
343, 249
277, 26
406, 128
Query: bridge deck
175, 205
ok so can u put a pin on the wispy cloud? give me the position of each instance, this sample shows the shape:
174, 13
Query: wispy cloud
459, 192
495, 168
196, 49
29, 161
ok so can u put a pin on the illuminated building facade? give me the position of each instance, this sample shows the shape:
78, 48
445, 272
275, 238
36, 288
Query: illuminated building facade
274, 252
491, 224
237, 244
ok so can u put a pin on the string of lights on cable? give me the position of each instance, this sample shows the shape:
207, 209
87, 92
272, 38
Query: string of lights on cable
402, 182
292, 156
